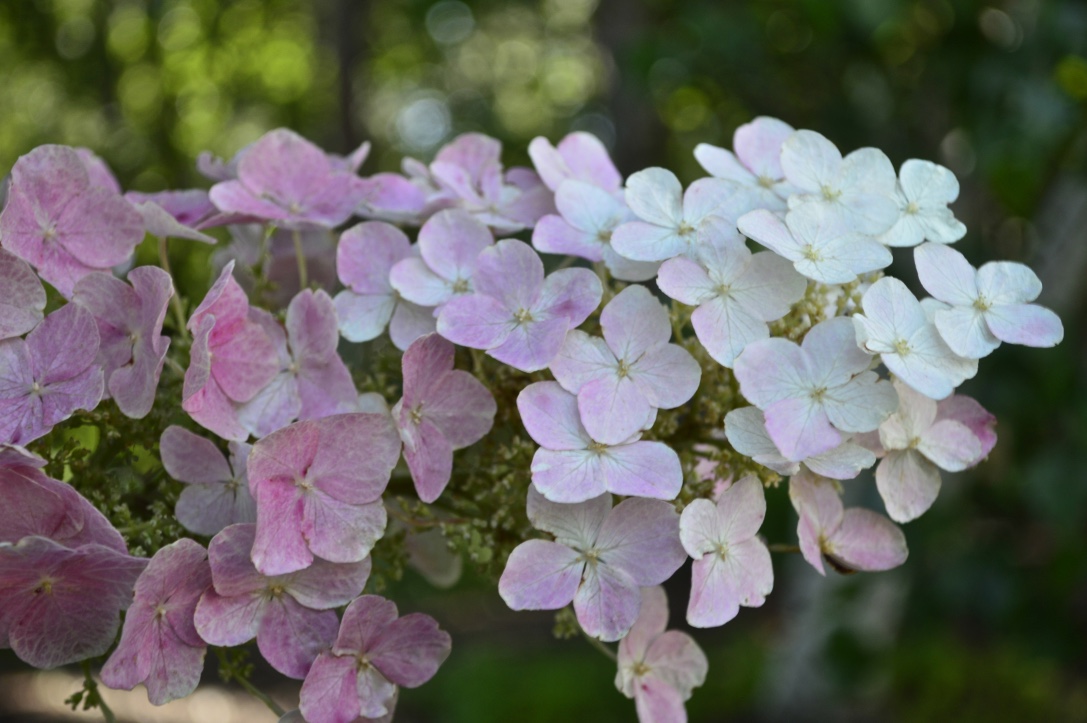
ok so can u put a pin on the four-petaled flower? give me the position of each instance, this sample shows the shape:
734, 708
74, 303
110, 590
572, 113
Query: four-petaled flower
924, 190
449, 245
754, 162
216, 492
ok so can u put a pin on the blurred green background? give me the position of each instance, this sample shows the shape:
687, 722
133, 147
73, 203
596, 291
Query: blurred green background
987, 621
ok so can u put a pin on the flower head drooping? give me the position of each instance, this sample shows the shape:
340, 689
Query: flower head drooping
894, 325
45, 378
516, 314
22, 297
231, 360
449, 245
813, 392
313, 381
292, 616
572, 467
671, 219
924, 190
285, 179
365, 257
731, 564
659, 668
60, 605
216, 492
820, 245
746, 431
443, 409
376, 651
756, 163
61, 223
736, 293
129, 320
916, 442
159, 644
985, 306
849, 539
318, 486
621, 380
580, 157
858, 190
600, 557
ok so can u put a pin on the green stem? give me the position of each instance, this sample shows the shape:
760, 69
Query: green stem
300, 257
781, 547
600, 646
261, 696
175, 300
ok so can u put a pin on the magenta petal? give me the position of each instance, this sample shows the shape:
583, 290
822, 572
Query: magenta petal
280, 545
430, 460
341, 532
540, 575
22, 297
291, 637
191, 458
363, 622
410, 650
229, 621
330, 693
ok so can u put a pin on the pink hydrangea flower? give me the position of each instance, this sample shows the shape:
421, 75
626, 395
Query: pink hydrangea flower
285, 179
292, 616
61, 223
894, 325
588, 217
376, 651
159, 644
98, 170
600, 557
22, 297
60, 605
659, 668
756, 163
818, 243
848, 539
216, 492
731, 564
671, 219
231, 360
48, 376
35, 504
449, 245
985, 306
813, 392
318, 487
859, 189
916, 442
365, 257
160, 223
570, 466
622, 379
580, 156
276, 260
923, 192
190, 208
312, 381
443, 409
516, 314
736, 293
746, 432
129, 320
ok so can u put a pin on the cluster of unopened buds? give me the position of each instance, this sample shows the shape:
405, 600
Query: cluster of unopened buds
661, 423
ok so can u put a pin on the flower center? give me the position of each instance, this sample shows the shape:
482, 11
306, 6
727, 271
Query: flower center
723, 290
912, 207
982, 304
49, 232
591, 556
597, 447
830, 194
766, 181
461, 286
295, 208
35, 388
522, 316
902, 347
818, 394
604, 236
686, 230
275, 590
160, 612
303, 483
722, 550
914, 442
362, 662
811, 254
416, 414
45, 587
640, 669
623, 369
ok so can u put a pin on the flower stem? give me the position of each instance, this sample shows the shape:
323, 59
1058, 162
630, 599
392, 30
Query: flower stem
608, 652
261, 696
781, 547
300, 257
175, 300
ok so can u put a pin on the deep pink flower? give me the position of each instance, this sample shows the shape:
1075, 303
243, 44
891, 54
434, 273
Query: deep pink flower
45, 378
312, 381
516, 314
231, 360
621, 380
291, 616
443, 409
600, 557
159, 644
318, 487
129, 320
375, 651
659, 668
61, 223
22, 297
216, 493
285, 179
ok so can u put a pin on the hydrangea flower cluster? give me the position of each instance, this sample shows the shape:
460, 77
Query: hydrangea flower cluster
575, 381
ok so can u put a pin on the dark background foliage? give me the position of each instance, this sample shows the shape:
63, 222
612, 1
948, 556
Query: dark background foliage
988, 618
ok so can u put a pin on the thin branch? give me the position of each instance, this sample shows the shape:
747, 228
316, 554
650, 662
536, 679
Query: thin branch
260, 695
300, 257
782, 547
608, 652
175, 300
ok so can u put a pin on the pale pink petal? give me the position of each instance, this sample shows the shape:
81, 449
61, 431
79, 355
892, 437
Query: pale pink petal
861, 404
667, 376
540, 575
966, 331
800, 428
410, 650
676, 659
685, 281
416, 282
532, 345
1007, 282
1026, 324
642, 469
655, 195
771, 370
450, 241
462, 408
832, 352
410, 322
725, 328
607, 602
330, 692
365, 254
867, 541
758, 145
908, 484
809, 160
191, 458
722, 163
22, 297
583, 358
613, 408
476, 321
967, 411
341, 532
652, 621
642, 537
635, 322
946, 274
657, 702
553, 235
572, 294
950, 445
568, 476
721, 582
429, 456
641, 241
280, 546
575, 525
